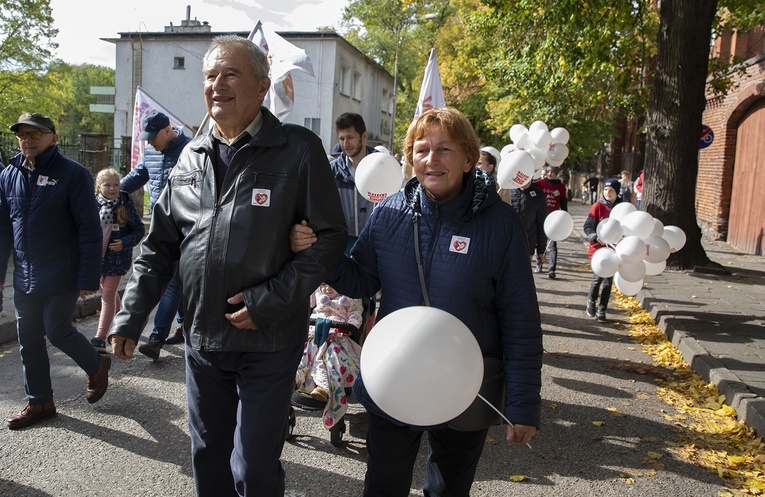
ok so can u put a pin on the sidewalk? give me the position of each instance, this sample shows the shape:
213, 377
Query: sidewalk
717, 321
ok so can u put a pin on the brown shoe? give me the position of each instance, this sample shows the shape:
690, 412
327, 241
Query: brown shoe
96, 386
31, 414
319, 394
177, 336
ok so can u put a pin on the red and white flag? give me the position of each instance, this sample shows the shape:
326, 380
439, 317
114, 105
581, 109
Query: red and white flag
145, 105
283, 57
431, 91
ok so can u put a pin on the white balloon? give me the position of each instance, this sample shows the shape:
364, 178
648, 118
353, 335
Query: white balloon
640, 223
653, 269
621, 210
656, 249
524, 141
377, 176
559, 135
609, 231
632, 272
494, 152
554, 163
382, 149
537, 125
558, 225
506, 150
421, 366
628, 288
604, 262
675, 237
516, 130
557, 152
658, 228
630, 249
541, 138
515, 170
538, 155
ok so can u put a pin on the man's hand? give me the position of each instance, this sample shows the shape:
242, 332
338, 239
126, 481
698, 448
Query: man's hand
541, 258
241, 318
301, 237
520, 434
122, 347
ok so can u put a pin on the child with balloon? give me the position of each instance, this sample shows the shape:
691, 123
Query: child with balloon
599, 211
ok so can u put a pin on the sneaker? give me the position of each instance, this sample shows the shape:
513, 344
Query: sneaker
31, 414
99, 345
151, 349
590, 308
601, 316
538, 269
177, 336
96, 385
551, 275
319, 394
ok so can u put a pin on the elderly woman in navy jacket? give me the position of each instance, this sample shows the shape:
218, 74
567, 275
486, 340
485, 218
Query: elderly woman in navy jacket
475, 266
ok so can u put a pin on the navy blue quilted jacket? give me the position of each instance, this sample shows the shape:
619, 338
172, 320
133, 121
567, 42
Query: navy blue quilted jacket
487, 284
49, 220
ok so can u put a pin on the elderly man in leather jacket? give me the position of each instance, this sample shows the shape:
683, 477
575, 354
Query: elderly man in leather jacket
225, 215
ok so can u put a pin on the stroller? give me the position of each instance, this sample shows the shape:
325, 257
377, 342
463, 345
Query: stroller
337, 352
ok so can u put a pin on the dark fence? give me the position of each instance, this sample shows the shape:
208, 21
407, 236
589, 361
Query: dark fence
95, 152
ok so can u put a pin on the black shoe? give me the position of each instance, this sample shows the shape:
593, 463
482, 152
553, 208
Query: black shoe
99, 345
601, 315
151, 349
177, 336
551, 275
590, 308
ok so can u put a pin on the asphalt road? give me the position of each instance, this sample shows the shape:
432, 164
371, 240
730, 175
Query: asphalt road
135, 442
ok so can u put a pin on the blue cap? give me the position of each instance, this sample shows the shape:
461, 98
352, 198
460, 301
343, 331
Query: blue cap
152, 124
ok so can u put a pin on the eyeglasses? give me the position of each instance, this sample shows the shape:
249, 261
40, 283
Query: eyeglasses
35, 135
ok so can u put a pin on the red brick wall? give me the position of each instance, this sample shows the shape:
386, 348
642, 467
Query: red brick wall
716, 162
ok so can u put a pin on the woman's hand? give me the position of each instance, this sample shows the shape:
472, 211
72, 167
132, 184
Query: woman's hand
301, 237
116, 245
520, 434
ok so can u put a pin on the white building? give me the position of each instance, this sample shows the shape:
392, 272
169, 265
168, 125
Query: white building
168, 66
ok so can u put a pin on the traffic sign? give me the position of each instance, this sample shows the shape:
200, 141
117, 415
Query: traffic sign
707, 136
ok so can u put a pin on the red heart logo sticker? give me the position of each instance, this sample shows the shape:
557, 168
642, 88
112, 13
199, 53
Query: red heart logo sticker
460, 245
261, 198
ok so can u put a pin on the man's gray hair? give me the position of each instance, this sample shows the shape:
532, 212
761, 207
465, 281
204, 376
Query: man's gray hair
224, 43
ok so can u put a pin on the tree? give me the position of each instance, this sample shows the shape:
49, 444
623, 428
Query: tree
674, 113
26, 42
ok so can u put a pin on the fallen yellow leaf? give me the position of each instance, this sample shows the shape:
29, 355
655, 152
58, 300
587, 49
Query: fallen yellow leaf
598, 423
517, 478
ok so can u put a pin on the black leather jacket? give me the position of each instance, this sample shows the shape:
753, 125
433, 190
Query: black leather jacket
239, 242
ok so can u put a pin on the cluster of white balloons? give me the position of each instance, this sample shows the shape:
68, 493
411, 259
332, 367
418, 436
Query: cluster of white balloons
532, 147
637, 246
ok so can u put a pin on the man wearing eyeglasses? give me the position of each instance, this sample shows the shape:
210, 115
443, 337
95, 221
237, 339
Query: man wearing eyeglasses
49, 220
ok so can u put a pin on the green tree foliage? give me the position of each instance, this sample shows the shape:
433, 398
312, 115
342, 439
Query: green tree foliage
377, 27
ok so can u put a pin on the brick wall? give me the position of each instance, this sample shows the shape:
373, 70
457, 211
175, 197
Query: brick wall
716, 162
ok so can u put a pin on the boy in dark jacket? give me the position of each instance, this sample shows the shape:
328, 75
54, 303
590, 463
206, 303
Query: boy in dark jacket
529, 202
599, 211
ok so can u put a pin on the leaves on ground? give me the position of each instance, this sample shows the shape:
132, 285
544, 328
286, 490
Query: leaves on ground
710, 435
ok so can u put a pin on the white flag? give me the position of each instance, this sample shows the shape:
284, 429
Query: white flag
145, 105
431, 92
283, 57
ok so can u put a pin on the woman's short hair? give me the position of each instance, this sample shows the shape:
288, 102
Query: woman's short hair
455, 125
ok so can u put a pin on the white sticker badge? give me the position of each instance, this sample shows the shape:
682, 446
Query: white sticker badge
261, 198
459, 244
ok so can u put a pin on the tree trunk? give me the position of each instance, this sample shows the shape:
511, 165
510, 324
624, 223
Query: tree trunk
674, 122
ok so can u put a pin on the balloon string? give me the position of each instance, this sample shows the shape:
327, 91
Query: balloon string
498, 412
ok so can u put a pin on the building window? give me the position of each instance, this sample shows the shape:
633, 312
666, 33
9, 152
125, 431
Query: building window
345, 80
387, 102
179, 63
356, 86
313, 123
